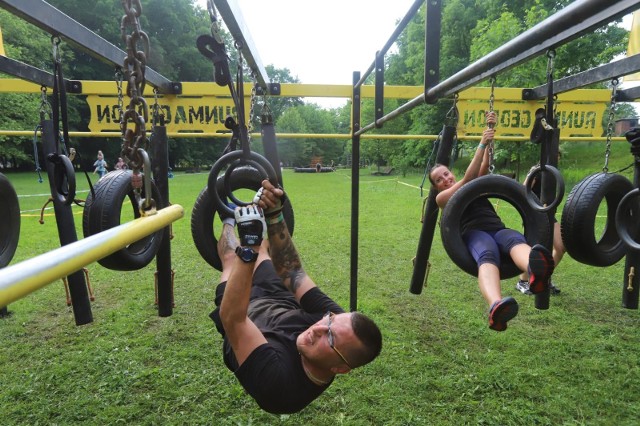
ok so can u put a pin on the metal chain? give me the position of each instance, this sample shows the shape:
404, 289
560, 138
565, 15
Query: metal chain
216, 29
252, 104
119, 79
612, 113
551, 54
491, 95
45, 106
156, 114
452, 115
135, 141
490, 148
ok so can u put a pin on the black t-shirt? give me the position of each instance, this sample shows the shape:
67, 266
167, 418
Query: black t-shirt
273, 374
480, 215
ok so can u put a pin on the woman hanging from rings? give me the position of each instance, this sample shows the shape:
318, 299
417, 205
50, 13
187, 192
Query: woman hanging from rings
487, 237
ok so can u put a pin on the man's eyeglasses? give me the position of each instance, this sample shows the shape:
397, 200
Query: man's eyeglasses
331, 341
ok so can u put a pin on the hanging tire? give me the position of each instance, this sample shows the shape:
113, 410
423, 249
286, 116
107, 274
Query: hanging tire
579, 216
204, 212
104, 211
537, 225
9, 221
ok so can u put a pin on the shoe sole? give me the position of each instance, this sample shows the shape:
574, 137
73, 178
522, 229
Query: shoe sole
503, 311
541, 266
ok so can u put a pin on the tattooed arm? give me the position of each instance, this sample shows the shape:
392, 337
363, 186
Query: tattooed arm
284, 255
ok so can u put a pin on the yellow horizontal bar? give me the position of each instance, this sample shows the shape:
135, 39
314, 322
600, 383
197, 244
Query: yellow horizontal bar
24, 278
108, 88
29, 133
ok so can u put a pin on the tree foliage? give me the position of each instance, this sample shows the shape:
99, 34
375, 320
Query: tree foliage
470, 30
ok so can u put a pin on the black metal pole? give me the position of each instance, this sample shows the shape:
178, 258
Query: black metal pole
67, 232
355, 191
160, 165
631, 278
550, 151
422, 265
379, 89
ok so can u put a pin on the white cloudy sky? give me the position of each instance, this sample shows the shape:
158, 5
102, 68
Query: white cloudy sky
322, 42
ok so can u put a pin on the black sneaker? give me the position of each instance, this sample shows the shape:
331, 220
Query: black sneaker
553, 289
501, 312
541, 266
523, 287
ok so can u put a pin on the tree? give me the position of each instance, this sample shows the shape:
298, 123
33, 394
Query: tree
293, 151
471, 30
18, 111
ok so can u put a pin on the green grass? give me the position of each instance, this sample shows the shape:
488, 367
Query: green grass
575, 363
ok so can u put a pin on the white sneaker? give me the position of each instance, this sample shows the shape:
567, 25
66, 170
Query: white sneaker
523, 287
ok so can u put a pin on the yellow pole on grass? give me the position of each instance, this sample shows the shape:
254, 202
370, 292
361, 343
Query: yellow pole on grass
21, 279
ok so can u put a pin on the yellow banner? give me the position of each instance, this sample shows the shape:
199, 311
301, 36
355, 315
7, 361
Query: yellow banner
2, 44
181, 114
516, 118
633, 48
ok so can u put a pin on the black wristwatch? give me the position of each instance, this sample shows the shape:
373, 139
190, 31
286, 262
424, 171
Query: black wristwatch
246, 254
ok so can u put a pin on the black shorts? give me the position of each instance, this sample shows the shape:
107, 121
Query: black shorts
266, 282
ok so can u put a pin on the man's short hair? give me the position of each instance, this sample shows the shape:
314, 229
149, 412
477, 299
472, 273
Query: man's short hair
369, 334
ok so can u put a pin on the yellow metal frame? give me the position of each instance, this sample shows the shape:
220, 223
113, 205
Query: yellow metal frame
21, 279
290, 90
474, 98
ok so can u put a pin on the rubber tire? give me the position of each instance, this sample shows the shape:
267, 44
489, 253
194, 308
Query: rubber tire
103, 212
626, 219
9, 221
204, 213
579, 215
537, 225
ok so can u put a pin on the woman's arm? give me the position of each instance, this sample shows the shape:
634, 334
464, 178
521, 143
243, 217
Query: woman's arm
478, 166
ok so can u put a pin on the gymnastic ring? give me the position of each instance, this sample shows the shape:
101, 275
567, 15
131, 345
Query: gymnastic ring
103, 210
9, 221
579, 214
226, 187
537, 225
204, 213
64, 178
228, 159
626, 218
533, 199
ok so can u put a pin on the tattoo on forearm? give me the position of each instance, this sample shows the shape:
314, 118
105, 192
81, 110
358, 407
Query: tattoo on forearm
228, 240
295, 278
285, 256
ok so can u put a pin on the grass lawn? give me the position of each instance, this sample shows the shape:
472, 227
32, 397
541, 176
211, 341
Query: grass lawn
576, 363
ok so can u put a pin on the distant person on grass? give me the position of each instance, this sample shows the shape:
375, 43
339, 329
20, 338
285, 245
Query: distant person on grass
284, 339
487, 237
100, 165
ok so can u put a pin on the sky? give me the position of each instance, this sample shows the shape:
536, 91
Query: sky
323, 42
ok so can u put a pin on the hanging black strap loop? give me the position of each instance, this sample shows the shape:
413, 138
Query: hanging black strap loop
64, 174
533, 179
64, 178
216, 53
